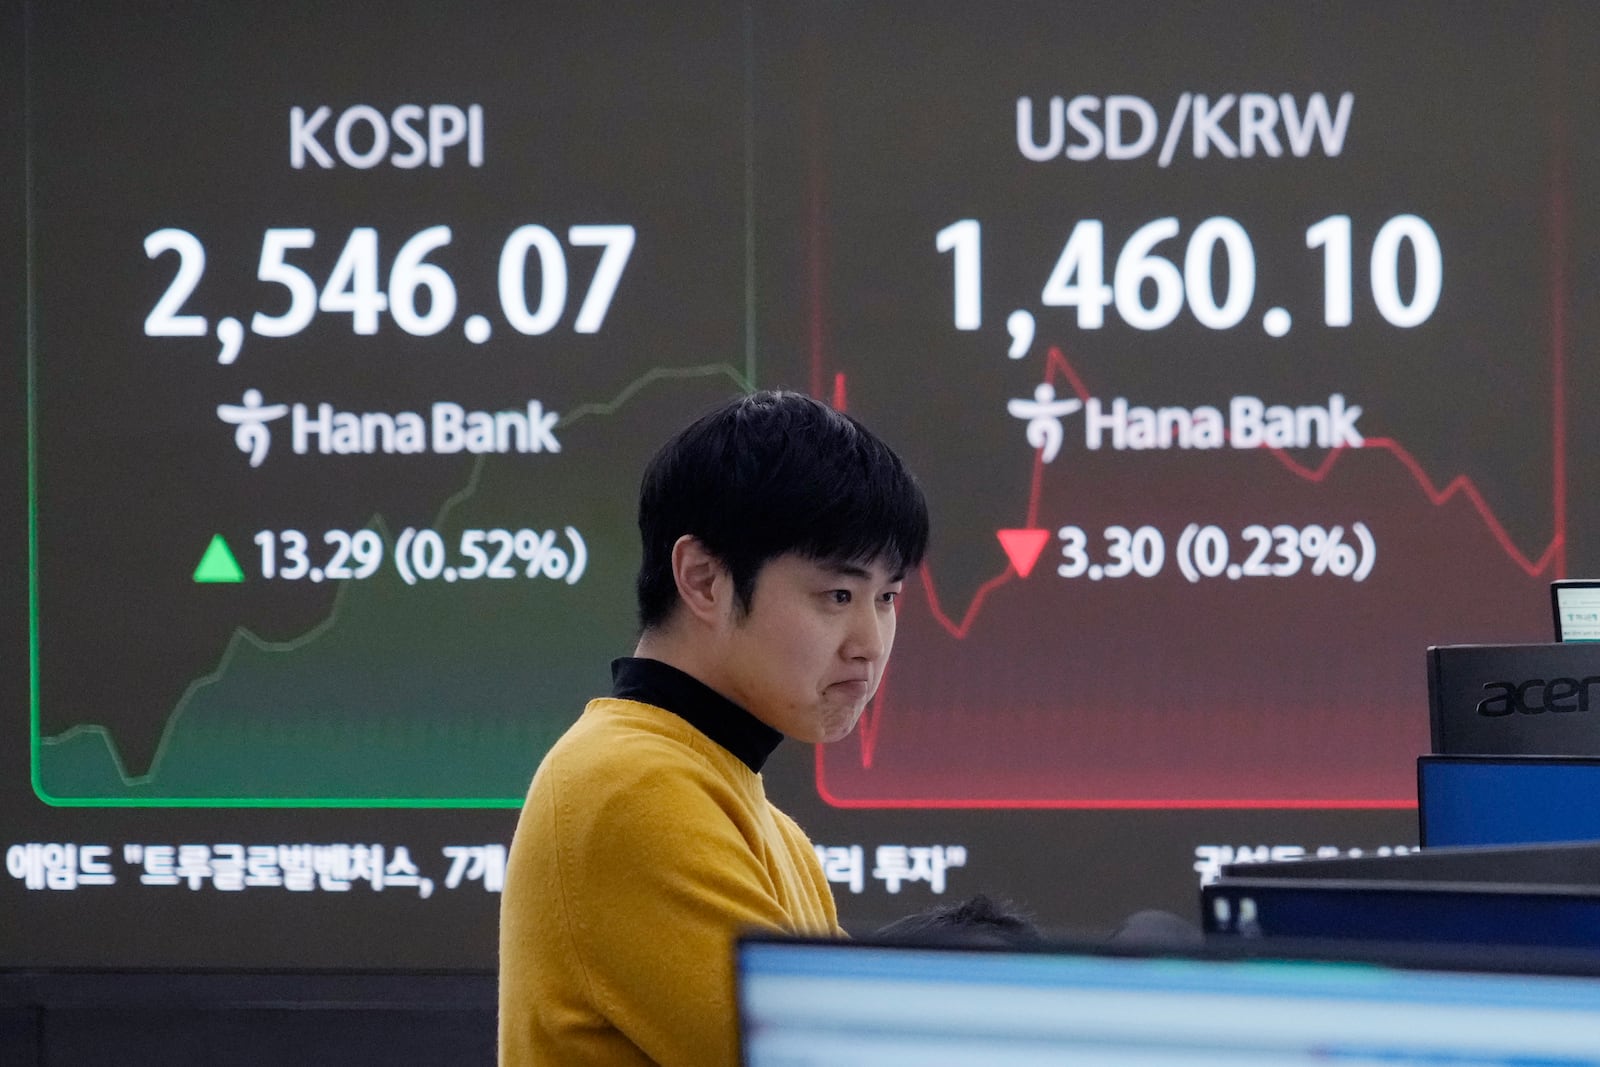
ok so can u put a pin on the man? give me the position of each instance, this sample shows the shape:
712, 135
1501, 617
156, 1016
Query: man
777, 533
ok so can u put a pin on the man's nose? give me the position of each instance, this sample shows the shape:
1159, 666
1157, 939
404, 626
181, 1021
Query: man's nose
867, 638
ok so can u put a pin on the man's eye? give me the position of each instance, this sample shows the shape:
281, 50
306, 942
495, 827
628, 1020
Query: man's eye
891, 596
840, 596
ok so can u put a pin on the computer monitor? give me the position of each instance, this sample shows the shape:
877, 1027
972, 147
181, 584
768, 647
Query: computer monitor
1576, 603
842, 1003
1539, 699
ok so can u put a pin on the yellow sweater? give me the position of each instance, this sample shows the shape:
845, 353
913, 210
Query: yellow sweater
643, 848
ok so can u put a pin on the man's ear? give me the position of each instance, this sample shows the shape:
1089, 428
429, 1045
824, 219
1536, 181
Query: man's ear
702, 579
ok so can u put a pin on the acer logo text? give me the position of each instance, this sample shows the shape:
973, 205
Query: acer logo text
1536, 696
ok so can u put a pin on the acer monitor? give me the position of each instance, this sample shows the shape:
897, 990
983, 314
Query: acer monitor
1527, 699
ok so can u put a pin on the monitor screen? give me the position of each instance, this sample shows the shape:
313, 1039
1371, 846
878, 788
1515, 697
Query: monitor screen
1507, 800
1577, 608
806, 1003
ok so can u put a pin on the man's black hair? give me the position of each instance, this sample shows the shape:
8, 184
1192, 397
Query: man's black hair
975, 921
768, 474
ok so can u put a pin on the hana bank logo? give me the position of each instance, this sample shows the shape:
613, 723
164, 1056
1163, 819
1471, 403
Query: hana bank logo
444, 429
250, 418
1044, 414
1249, 423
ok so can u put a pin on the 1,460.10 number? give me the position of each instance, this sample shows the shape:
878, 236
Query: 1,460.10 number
1078, 279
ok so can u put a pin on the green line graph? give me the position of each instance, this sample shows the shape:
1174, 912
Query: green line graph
432, 695
208, 683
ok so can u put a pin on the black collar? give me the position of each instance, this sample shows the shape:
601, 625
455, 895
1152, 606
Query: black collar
650, 681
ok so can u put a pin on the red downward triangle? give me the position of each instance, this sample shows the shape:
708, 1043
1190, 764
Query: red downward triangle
1023, 547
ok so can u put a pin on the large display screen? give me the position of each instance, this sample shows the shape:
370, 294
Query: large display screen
1242, 352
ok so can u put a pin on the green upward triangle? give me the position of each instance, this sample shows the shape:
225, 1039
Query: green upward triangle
218, 564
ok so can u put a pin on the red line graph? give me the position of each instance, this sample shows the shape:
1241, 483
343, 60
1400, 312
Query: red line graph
1549, 561
1057, 364
1438, 497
